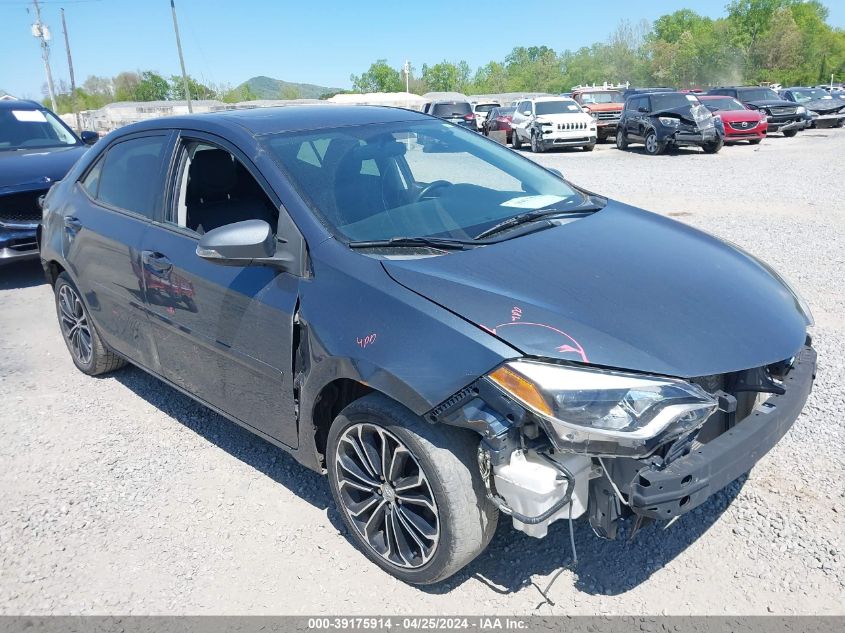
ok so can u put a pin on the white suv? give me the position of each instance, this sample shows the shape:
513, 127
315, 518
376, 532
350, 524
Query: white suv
546, 122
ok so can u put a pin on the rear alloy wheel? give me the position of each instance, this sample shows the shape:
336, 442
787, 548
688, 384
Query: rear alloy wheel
409, 491
86, 349
621, 140
652, 145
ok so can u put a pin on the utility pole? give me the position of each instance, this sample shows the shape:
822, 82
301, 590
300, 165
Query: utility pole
72, 80
407, 70
41, 31
181, 59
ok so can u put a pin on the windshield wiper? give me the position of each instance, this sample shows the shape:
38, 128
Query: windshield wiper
444, 243
532, 216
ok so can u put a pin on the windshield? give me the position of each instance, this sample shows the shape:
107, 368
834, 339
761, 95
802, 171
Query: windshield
486, 107
723, 103
556, 107
809, 95
605, 96
413, 179
458, 108
671, 100
759, 94
23, 129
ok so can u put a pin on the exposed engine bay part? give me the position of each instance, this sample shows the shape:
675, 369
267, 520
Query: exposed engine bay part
537, 489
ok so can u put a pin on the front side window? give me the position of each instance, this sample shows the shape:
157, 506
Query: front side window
216, 189
130, 175
26, 128
417, 179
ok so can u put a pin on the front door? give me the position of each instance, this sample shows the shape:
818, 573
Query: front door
223, 332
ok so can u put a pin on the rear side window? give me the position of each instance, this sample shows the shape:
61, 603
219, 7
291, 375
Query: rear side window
458, 108
129, 175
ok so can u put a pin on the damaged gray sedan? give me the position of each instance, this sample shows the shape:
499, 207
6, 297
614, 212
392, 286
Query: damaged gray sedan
448, 331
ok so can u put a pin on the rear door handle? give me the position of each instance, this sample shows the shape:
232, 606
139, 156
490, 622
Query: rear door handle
156, 261
73, 223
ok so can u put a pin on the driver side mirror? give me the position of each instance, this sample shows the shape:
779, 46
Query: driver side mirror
246, 243
642, 109
88, 137
526, 112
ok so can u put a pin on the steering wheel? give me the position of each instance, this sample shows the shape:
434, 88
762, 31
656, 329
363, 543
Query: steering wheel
437, 184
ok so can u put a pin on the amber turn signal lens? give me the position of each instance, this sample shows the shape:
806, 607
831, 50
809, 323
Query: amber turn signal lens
521, 388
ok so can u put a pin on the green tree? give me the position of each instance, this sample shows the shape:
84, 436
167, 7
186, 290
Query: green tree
290, 92
446, 76
152, 87
379, 78
125, 86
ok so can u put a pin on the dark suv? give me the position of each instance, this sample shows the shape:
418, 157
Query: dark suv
660, 120
454, 111
444, 327
782, 116
36, 150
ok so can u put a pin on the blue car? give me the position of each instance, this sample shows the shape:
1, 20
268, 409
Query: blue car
445, 328
36, 150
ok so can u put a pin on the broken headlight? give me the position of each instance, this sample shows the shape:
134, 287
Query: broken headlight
669, 121
604, 412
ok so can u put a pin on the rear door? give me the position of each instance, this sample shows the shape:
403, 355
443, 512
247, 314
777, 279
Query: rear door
108, 212
224, 333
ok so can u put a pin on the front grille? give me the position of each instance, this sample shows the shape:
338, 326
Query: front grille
782, 111
743, 125
609, 116
21, 208
572, 126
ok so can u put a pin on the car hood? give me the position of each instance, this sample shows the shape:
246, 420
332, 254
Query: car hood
28, 168
771, 103
621, 288
824, 106
564, 117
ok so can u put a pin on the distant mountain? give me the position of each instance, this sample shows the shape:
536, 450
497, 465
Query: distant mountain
269, 88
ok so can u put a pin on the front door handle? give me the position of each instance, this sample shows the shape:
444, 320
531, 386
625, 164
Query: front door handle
156, 261
73, 223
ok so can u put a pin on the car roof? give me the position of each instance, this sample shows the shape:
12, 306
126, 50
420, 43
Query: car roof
293, 118
20, 104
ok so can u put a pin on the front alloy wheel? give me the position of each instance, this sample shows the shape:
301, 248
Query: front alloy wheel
652, 146
387, 495
409, 491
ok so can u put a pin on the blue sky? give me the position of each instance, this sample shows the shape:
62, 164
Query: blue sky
316, 41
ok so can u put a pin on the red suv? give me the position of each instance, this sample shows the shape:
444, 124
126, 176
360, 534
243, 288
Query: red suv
741, 124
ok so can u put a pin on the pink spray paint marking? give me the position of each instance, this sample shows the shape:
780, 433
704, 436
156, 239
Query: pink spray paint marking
570, 347
366, 341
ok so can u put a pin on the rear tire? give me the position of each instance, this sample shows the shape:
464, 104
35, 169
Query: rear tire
790, 133
755, 141
589, 148
88, 352
458, 523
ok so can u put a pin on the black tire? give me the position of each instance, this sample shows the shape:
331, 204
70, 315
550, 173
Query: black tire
790, 133
621, 140
447, 458
537, 145
601, 138
87, 350
590, 147
755, 141
714, 147
653, 147
516, 143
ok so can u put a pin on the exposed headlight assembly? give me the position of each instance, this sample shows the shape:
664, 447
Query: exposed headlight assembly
801, 110
602, 412
669, 121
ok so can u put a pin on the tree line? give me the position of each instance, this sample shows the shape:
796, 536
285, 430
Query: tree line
778, 41
783, 41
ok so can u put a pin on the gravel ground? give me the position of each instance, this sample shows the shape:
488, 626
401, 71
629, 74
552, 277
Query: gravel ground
120, 495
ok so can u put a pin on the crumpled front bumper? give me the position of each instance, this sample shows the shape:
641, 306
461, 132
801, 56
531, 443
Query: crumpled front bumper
688, 481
